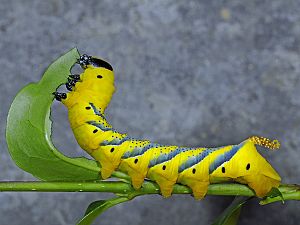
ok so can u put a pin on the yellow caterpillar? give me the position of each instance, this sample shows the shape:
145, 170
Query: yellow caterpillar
90, 94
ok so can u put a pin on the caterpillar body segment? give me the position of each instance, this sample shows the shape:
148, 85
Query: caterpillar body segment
166, 165
247, 166
101, 88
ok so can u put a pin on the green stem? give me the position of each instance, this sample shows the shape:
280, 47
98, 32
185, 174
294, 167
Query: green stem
289, 192
40, 186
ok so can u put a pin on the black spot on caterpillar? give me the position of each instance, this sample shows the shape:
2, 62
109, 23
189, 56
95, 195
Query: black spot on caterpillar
140, 159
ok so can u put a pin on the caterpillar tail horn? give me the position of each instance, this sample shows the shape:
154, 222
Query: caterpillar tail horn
265, 142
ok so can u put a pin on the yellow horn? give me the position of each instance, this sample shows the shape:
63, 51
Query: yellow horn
265, 142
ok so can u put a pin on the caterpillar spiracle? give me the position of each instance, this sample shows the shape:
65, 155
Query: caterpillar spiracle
197, 167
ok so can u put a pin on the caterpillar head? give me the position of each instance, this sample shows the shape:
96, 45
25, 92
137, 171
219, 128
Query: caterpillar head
90, 61
84, 60
249, 167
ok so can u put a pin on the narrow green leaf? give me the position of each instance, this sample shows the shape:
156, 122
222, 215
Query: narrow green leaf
230, 215
28, 131
93, 206
288, 192
273, 194
98, 207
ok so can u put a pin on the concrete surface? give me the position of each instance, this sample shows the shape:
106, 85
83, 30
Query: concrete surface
187, 72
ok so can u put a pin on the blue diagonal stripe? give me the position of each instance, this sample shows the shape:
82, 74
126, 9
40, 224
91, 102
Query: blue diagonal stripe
139, 150
196, 159
99, 125
166, 157
96, 111
115, 141
224, 157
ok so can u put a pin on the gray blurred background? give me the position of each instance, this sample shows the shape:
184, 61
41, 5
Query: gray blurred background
191, 73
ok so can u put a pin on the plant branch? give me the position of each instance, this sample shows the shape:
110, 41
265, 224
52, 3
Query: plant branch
289, 192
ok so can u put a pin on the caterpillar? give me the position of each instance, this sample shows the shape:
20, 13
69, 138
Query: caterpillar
89, 95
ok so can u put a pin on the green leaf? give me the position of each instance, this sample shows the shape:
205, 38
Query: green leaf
231, 214
98, 207
93, 206
28, 131
274, 193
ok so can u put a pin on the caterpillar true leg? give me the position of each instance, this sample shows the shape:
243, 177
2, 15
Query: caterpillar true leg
59, 96
72, 80
140, 159
70, 84
75, 77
